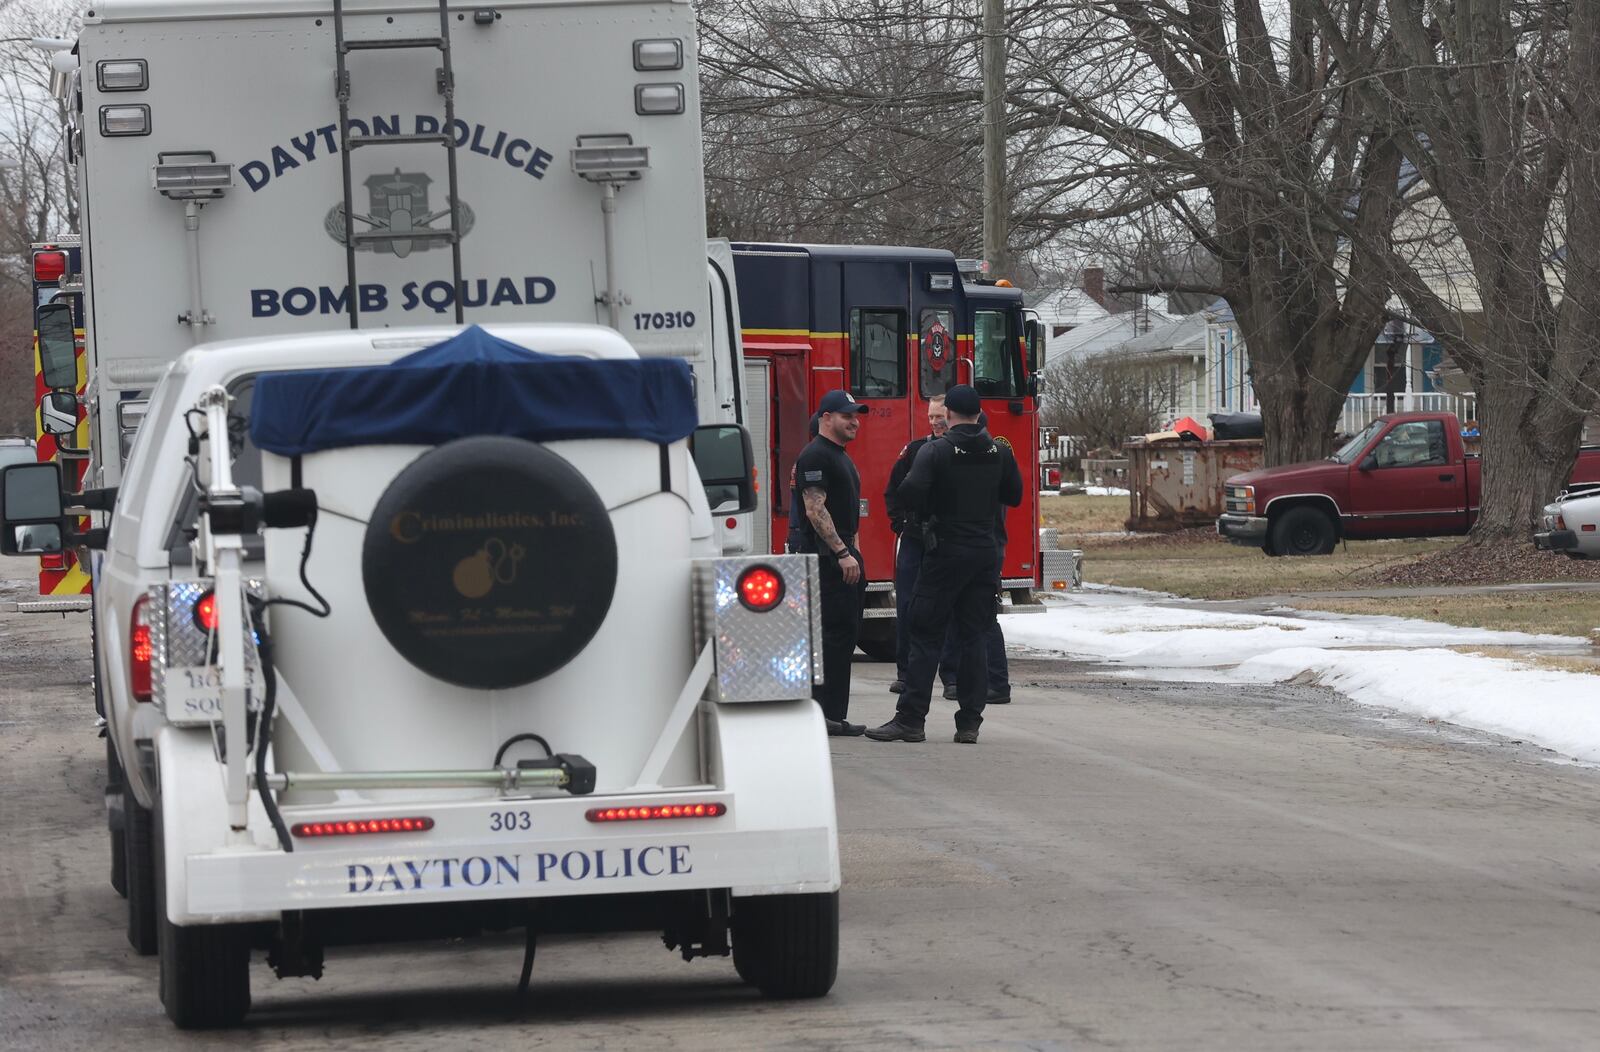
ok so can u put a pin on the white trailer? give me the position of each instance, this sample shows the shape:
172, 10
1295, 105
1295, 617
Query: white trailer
512, 683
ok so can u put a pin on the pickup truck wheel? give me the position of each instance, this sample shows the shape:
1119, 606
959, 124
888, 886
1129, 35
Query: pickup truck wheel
1303, 531
116, 793
140, 878
205, 969
787, 945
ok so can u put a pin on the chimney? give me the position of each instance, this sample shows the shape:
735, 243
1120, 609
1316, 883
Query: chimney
1094, 283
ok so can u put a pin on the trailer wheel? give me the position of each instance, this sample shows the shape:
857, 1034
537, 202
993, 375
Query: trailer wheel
117, 791
205, 969
787, 945
1304, 531
140, 875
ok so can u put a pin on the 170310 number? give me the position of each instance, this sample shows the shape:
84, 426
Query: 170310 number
672, 319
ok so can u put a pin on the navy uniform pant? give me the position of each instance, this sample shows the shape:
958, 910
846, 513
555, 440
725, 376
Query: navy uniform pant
907, 564
955, 588
841, 624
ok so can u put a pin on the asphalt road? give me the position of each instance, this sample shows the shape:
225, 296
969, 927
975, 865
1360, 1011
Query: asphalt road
1116, 865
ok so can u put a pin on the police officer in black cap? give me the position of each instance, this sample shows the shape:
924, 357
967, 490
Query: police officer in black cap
958, 484
827, 508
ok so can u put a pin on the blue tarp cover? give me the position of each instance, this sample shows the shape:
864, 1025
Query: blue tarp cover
472, 384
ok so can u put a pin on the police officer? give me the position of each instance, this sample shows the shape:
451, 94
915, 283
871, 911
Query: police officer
907, 525
827, 507
994, 642
959, 483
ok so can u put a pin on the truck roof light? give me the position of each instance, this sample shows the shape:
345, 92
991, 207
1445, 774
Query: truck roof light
49, 266
363, 826
139, 650
656, 100
941, 282
118, 121
122, 74
657, 54
652, 812
760, 589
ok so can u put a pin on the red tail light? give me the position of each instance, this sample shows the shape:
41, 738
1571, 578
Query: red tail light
49, 266
205, 612
57, 561
651, 812
139, 650
760, 589
362, 826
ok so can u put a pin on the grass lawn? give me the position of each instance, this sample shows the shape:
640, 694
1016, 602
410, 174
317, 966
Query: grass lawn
1200, 565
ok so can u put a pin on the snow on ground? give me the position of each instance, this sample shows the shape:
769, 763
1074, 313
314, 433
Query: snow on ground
1104, 491
1389, 661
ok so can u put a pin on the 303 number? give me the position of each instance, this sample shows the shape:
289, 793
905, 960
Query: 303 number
672, 319
505, 821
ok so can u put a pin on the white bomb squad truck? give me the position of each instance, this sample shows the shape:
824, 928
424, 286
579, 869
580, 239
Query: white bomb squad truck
427, 633
261, 167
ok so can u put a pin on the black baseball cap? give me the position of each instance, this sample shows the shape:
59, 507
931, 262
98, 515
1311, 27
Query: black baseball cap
841, 402
964, 400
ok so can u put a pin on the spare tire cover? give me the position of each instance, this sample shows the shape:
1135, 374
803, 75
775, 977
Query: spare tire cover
489, 562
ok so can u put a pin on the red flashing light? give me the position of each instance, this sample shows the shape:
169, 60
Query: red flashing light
651, 812
732, 523
1587, 527
58, 561
362, 826
760, 589
205, 612
139, 650
49, 266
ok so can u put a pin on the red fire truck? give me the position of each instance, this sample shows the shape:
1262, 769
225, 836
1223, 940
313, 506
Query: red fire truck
61, 426
894, 327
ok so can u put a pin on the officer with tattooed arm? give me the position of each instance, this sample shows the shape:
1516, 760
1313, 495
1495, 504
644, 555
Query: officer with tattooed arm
958, 484
828, 489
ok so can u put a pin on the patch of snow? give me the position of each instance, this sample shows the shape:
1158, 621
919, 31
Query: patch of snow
1397, 663
1104, 491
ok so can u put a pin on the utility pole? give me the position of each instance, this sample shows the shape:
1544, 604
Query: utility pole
996, 232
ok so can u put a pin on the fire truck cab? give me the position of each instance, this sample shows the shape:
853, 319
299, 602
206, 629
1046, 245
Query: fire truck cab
894, 327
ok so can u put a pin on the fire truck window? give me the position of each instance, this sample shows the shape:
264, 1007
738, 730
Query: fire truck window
877, 354
994, 366
936, 351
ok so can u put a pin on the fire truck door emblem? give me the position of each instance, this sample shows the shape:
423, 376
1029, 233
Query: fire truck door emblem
398, 204
936, 345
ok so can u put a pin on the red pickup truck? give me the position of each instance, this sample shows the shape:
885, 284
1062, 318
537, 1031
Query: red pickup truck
1406, 475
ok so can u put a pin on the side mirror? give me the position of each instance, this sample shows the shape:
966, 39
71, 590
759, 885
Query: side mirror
1368, 462
1033, 331
58, 357
58, 413
32, 517
723, 457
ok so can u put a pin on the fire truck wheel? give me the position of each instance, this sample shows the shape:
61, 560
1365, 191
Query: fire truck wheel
115, 794
787, 945
140, 876
205, 969
875, 642
1304, 531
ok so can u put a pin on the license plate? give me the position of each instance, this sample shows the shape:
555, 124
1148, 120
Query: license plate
194, 692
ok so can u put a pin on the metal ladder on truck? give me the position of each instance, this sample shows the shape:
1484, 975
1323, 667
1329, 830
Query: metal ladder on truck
349, 143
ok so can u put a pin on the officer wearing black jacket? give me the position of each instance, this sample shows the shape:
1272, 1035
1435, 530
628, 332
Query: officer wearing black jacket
907, 526
958, 484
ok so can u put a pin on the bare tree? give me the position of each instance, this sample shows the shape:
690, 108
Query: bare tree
1497, 106
1103, 401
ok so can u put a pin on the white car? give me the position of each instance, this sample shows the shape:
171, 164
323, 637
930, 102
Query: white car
512, 683
1572, 525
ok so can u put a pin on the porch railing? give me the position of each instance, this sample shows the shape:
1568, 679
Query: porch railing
1361, 409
